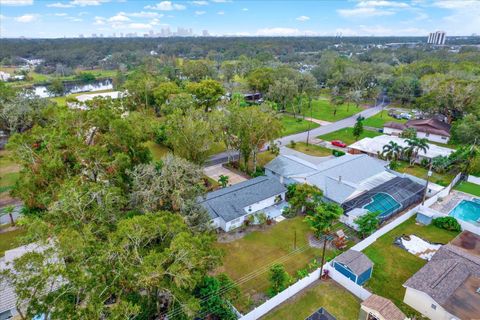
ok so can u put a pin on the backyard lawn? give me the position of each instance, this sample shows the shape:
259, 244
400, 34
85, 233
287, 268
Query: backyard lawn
8, 171
259, 249
9, 239
311, 149
322, 109
378, 120
293, 125
346, 135
468, 187
442, 179
393, 265
328, 294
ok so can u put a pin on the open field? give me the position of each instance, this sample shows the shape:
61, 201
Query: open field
468, 187
256, 251
62, 101
346, 135
322, 109
327, 294
293, 125
394, 265
311, 149
442, 179
378, 120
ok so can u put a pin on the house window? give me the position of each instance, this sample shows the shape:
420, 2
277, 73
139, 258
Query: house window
250, 208
434, 307
278, 198
372, 317
444, 138
427, 134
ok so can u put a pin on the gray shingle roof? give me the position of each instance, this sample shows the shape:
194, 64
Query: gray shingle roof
229, 203
448, 276
355, 260
290, 166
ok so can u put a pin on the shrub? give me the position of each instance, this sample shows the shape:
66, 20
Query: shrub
447, 223
293, 144
337, 153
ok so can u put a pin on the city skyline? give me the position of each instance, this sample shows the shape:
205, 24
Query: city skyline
42, 18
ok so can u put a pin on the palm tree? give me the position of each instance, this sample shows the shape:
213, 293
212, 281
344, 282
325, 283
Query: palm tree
415, 145
392, 151
223, 180
9, 210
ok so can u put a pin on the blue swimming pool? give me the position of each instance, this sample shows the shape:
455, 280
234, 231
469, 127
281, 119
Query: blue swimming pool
468, 211
383, 203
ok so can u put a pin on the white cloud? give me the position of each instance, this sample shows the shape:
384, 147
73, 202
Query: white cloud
200, 3
221, 1
61, 14
364, 12
16, 2
199, 13
374, 3
284, 32
84, 3
73, 19
26, 18
303, 18
120, 17
155, 22
60, 5
166, 6
455, 4
244, 9
221, 12
463, 16
144, 14
99, 20
139, 26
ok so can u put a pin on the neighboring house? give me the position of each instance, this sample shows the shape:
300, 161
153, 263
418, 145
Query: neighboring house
448, 286
380, 308
321, 314
374, 147
8, 298
354, 265
431, 129
230, 206
340, 179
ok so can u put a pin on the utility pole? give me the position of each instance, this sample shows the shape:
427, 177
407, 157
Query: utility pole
323, 255
429, 174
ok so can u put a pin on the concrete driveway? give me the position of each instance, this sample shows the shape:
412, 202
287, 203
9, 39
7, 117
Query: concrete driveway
216, 171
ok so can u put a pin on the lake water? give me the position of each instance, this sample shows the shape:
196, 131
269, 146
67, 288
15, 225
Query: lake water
43, 92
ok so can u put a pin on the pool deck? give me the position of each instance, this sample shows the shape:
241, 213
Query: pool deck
451, 201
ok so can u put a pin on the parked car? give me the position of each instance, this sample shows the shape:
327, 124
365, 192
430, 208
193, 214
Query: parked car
339, 143
405, 115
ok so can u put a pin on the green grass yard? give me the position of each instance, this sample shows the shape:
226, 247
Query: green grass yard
9, 239
442, 179
8, 171
322, 109
293, 125
261, 248
468, 187
311, 149
378, 120
393, 265
346, 135
328, 294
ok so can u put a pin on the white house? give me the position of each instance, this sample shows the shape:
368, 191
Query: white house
229, 207
448, 286
4, 76
431, 129
374, 146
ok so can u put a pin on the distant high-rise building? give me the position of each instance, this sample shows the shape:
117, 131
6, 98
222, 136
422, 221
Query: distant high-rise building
94, 35
80, 35
437, 38
205, 33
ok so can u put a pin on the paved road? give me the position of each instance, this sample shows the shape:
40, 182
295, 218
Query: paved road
302, 136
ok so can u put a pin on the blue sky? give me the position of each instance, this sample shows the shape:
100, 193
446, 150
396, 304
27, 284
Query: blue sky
59, 18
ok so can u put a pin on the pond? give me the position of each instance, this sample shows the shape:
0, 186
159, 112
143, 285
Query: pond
75, 87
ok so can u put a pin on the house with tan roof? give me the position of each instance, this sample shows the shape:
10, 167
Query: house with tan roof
431, 129
380, 308
448, 286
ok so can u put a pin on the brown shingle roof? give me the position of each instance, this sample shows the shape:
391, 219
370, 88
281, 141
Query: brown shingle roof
430, 126
395, 125
386, 308
450, 275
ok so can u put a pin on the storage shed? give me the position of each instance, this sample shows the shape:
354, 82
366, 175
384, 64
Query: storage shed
354, 265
